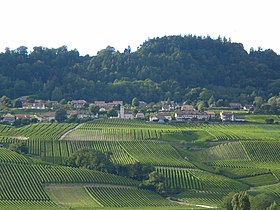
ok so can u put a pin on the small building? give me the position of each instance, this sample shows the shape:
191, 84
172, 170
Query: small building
46, 117
161, 117
80, 114
187, 107
105, 106
227, 116
24, 116
230, 116
52, 104
9, 118
235, 106
191, 115
35, 105
211, 115
78, 104
140, 115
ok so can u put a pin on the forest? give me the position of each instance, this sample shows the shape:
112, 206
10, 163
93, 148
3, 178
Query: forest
181, 68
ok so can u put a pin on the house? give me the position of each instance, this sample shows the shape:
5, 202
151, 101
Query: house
236, 106
35, 105
168, 105
140, 115
78, 104
230, 116
211, 115
161, 117
165, 108
189, 115
9, 118
227, 116
187, 107
104, 106
52, 104
84, 114
248, 107
46, 117
80, 114
24, 116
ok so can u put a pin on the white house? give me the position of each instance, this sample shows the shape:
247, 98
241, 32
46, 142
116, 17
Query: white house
188, 115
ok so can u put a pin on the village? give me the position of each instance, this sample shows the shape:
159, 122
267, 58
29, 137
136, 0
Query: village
162, 112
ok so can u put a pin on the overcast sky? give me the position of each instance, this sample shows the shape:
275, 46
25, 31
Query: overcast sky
92, 25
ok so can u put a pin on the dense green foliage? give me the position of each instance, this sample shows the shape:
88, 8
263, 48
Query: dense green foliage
182, 68
91, 159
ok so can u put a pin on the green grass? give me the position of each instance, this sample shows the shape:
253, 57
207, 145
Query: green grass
261, 118
260, 180
71, 196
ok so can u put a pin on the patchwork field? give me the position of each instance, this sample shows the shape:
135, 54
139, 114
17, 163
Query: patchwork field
200, 163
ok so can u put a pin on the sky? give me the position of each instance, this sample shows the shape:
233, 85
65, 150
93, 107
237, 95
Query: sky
92, 25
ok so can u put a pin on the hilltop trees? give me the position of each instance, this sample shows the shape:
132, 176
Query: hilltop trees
182, 68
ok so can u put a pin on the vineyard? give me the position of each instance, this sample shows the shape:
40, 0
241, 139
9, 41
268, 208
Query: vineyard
202, 163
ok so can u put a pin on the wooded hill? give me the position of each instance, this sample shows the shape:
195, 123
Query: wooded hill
181, 68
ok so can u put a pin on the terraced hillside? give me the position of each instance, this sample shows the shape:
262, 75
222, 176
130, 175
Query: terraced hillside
200, 163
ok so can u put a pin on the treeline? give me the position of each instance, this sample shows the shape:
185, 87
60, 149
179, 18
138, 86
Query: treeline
181, 68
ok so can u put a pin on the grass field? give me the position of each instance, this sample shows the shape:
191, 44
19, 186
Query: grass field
260, 118
71, 196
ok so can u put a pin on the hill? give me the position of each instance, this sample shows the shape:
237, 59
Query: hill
200, 170
182, 68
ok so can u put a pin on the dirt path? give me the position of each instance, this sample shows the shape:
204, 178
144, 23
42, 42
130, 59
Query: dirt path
62, 137
190, 204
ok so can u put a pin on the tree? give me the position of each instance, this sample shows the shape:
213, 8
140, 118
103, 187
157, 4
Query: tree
273, 206
139, 171
135, 102
112, 113
155, 182
20, 147
17, 104
94, 109
261, 201
200, 106
91, 159
269, 121
60, 115
226, 204
240, 201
